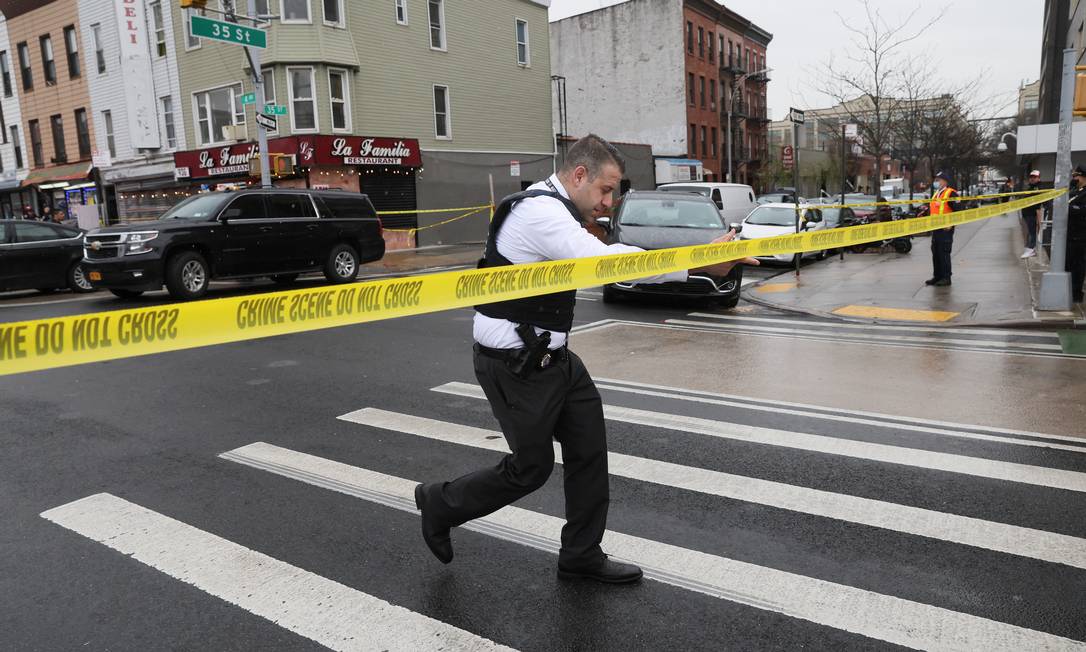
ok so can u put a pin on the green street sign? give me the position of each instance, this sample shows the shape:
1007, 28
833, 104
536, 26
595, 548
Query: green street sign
248, 98
275, 109
228, 32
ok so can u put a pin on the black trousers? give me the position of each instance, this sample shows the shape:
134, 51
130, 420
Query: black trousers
942, 242
1076, 264
560, 402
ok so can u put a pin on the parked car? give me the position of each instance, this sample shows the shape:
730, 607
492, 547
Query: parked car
660, 220
782, 195
733, 200
279, 233
41, 256
769, 220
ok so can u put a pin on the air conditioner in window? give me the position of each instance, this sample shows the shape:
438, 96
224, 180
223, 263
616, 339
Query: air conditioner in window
235, 132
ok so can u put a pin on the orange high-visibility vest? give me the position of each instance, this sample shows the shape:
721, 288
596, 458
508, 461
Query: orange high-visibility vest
939, 204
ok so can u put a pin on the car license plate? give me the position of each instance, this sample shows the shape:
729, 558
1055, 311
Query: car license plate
95, 276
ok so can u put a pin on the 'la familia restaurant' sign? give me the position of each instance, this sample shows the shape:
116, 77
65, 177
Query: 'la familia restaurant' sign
233, 160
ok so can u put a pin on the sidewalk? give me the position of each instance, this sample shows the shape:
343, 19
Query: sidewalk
424, 258
992, 286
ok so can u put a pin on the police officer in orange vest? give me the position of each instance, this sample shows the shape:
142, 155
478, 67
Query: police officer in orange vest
942, 240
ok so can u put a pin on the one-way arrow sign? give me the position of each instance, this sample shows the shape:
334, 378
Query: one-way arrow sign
266, 121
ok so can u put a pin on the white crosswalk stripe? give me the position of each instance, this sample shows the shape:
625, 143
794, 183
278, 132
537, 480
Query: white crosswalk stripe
840, 325
868, 613
995, 469
1026, 542
334, 615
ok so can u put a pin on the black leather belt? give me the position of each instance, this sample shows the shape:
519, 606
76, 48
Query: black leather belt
552, 357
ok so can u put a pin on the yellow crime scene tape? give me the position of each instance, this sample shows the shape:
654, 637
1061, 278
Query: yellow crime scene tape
64, 341
478, 209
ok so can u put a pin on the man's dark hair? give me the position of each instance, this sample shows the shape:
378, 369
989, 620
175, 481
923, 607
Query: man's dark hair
593, 153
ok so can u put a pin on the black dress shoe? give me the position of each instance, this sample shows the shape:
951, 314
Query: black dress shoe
931, 281
942, 283
607, 571
435, 536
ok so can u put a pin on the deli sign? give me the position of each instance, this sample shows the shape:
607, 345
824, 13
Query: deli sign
366, 150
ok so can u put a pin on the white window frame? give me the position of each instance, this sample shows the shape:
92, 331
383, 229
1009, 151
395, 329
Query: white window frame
401, 4
342, 23
96, 41
448, 112
271, 10
266, 74
430, 27
527, 63
158, 27
107, 129
189, 38
236, 89
290, 96
169, 119
346, 101
296, 21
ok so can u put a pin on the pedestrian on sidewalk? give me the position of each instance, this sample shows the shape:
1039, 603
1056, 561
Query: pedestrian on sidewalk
538, 389
1076, 233
1031, 217
942, 240
1007, 187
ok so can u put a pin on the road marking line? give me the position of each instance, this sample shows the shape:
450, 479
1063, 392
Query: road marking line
868, 337
1080, 448
90, 296
307, 604
897, 314
863, 612
915, 457
746, 400
1000, 537
888, 327
590, 293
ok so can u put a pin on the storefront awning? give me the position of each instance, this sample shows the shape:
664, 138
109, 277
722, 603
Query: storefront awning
58, 174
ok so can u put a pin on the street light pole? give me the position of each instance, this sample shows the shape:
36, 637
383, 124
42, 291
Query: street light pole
1056, 282
253, 56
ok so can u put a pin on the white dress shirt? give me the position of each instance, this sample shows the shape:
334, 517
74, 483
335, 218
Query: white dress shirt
540, 229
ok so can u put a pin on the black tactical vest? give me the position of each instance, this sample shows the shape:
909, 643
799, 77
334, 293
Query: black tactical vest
553, 312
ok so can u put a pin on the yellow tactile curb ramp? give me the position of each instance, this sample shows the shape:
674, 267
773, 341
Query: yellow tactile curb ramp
776, 287
898, 314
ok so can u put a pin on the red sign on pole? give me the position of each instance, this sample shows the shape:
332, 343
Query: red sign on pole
787, 156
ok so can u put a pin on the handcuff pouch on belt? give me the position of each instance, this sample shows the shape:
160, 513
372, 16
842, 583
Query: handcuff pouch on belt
536, 353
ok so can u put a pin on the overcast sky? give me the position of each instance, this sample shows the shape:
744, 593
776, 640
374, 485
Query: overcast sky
997, 39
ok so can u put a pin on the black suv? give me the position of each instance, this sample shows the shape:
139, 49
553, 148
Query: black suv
278, 233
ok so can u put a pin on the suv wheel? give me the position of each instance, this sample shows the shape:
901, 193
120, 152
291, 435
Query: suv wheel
122, 293
187, 275
342, 264
77, 279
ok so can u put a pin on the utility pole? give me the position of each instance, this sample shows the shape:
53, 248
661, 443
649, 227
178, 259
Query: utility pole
844, 174
253, 56
1056, 282
796, 116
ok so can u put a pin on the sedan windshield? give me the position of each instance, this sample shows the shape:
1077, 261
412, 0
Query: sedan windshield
701, 190
678, 213
197, 207
772, 216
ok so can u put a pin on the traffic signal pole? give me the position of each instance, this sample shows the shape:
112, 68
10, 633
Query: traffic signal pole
253, 55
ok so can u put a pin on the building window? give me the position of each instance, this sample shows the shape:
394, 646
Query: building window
712, 51
721, 49
704, 143
35, 143
264, 9
159, 28
303, 100
17, 145
191, 42
24, 66
111, 145
401, 12
269, 92
701, 42
333, 13
99, 53
296, 11
713, 146
437, 24
56, 125
82, 134
71, 49
690, 86
522, 42
690, 37
215, 109
167, 122
49, 67
442, 113
339, 95
5, 72
702, 90
692, 146
712, 94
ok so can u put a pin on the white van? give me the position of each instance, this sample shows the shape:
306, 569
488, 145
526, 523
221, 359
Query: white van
734, 200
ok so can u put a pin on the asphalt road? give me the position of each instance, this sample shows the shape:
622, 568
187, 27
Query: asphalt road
786, 483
